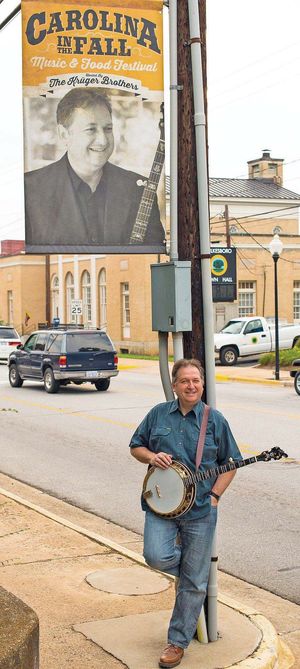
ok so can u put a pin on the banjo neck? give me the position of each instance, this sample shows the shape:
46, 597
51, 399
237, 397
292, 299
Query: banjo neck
230, 466
142, 219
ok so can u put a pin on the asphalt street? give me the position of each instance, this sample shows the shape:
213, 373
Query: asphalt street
75, 445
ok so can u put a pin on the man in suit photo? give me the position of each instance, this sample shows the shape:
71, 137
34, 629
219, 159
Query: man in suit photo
82, 200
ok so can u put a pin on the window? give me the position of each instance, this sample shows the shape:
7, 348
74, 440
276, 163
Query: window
102, 300
247, 298
10, 307
254, 326
55, 343
125, 315
40, 342
296, 300
86, 297
30, 343
71, 318
273, 167
54, 296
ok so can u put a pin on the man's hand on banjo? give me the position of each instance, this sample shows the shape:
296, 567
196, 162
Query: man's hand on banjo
162, 460
143, 454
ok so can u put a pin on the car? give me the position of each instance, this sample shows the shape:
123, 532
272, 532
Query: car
295, 373
61, 355
9, 340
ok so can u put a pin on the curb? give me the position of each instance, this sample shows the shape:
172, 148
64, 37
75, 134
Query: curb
271, 653
242, 379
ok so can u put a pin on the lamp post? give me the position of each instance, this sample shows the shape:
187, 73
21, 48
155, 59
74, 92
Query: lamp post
276, 247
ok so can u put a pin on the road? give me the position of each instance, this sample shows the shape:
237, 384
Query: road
75, 445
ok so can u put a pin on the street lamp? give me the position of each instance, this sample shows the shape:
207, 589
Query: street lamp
276, 247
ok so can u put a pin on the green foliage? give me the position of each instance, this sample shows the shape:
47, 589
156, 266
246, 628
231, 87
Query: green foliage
142, 357
286, 357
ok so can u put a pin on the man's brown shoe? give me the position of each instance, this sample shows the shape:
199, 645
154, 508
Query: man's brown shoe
171, 656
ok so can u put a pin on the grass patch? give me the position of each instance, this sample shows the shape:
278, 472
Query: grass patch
286, 357
136, 356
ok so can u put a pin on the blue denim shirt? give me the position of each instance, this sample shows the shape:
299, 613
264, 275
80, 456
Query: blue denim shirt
166, 429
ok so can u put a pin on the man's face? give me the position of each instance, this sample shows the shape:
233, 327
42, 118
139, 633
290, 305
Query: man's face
89, 138
188, 385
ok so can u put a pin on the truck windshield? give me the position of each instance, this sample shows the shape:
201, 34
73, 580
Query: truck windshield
233, 327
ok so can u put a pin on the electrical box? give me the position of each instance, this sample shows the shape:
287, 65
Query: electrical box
171, 296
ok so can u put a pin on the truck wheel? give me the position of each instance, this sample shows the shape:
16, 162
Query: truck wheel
228, 356
50, 384
102, 384
14, 377
297, 383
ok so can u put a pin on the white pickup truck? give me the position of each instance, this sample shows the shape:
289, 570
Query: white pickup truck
251, 336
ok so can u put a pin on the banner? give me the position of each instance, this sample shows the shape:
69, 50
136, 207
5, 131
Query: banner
93, 127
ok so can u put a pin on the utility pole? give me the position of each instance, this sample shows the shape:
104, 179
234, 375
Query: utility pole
226, 214
47, 288
188, 215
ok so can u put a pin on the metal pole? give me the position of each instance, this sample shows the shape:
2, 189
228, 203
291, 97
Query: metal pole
275, 258
177, 336
203, 205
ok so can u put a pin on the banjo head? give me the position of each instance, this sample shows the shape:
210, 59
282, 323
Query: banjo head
166, 491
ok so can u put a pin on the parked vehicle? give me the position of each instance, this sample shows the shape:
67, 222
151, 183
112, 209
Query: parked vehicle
9, 340
252, 336
60, 356
295, 373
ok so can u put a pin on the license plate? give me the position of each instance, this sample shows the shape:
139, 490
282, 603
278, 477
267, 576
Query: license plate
92, 375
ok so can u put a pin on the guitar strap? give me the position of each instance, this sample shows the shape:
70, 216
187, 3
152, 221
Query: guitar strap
202, 434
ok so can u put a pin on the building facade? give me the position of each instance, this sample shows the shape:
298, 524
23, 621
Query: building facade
115, 290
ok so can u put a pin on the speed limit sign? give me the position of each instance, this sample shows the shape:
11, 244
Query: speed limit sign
76, 307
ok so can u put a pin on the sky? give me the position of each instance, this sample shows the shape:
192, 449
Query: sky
253, 59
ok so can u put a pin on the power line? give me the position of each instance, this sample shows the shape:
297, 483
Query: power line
10, 17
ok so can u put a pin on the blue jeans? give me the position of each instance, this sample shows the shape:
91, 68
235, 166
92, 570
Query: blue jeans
189, 560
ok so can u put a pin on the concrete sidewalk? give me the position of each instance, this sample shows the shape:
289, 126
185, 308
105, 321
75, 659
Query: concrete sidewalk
100, 608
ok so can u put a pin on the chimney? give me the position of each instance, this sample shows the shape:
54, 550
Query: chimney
267, 168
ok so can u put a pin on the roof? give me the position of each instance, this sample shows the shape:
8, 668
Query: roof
264, 189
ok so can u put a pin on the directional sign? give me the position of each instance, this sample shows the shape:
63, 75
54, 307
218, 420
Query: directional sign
223, 273
76, 307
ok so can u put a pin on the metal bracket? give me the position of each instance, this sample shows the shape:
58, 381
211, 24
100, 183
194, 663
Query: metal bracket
193, 40
176, 87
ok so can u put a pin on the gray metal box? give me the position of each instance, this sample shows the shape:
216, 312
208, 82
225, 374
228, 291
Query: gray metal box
171, 296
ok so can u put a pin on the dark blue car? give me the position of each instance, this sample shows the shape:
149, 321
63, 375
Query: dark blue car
60, 356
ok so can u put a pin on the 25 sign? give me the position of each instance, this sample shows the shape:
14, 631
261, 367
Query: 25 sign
76, 307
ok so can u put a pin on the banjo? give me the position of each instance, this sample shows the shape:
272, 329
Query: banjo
171, 492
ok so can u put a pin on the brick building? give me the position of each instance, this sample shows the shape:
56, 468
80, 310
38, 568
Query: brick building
115, 289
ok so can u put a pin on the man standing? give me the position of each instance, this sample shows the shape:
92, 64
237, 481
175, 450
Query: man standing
82, 200
171, 431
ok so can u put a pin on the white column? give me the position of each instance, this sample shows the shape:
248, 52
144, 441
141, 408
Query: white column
93, 290
61, 289
76, 278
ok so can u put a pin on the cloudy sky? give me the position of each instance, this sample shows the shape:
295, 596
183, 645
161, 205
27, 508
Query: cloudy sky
253, 50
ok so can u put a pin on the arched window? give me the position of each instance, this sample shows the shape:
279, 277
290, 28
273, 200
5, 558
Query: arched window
54, 296
86, 297
102, 300
70, 293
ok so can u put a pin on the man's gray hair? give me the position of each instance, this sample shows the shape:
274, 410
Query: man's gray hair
187, 362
